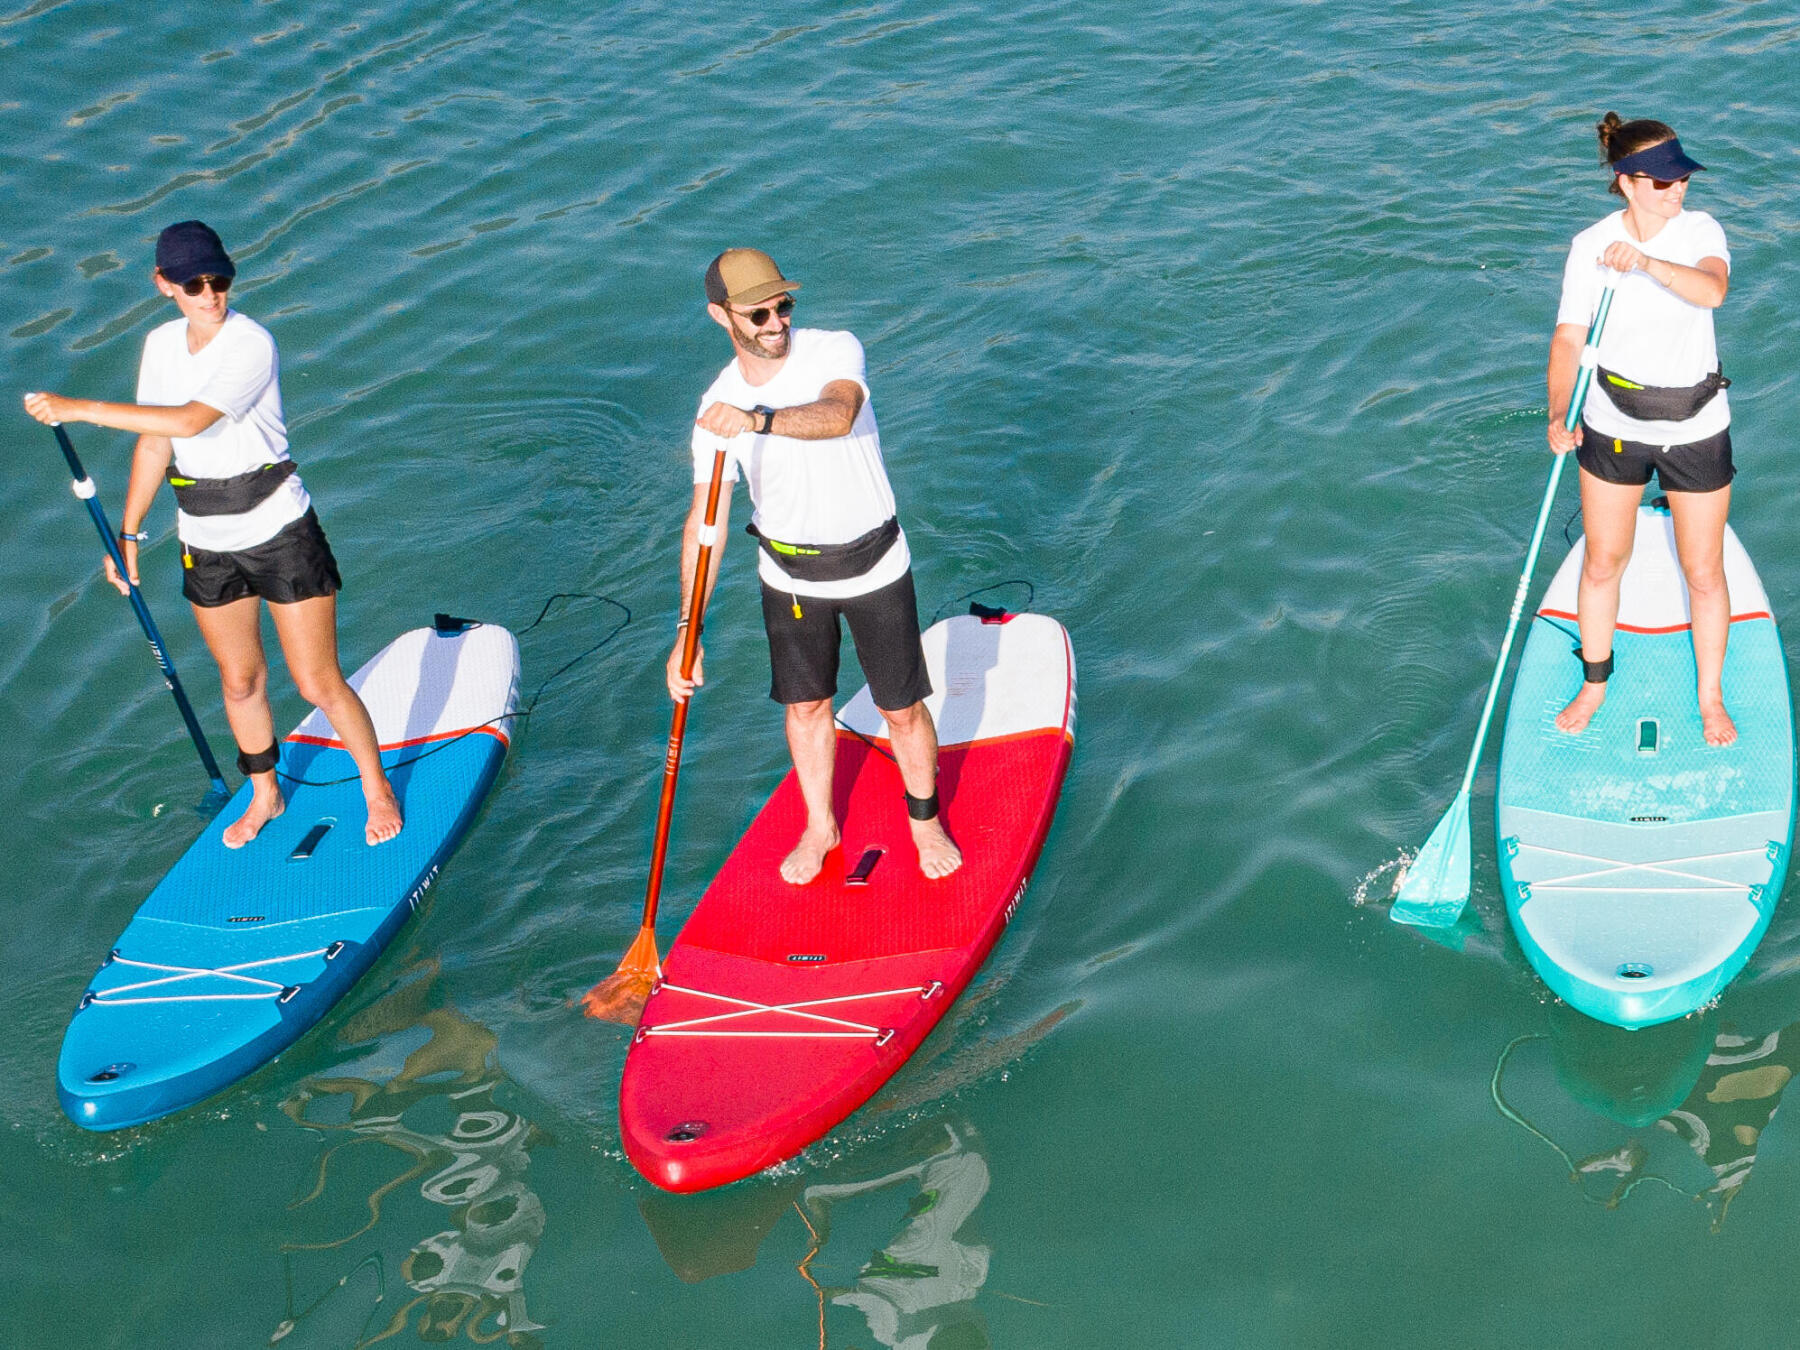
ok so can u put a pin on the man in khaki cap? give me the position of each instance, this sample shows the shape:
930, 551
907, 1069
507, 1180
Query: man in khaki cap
792, 411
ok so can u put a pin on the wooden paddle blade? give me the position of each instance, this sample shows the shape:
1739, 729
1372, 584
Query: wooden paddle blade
621, 996
1436, 887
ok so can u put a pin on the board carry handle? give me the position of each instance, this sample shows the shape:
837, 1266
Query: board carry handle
84, 488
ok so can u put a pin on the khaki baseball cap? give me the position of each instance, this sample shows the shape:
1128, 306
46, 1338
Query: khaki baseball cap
745, 276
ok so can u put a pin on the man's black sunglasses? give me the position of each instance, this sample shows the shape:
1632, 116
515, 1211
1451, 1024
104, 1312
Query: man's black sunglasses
760, 315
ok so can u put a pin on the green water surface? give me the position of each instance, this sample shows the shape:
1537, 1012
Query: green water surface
1222, 324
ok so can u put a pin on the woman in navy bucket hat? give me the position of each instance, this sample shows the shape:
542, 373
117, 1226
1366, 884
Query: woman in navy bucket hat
1657, 404
208, 417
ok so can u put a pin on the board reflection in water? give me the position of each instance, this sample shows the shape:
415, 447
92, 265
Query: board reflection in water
1682, 1106
894, 1247
464, 1151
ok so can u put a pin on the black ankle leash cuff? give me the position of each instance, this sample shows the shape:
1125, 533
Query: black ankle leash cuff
262, 762
922, 808
1594, 672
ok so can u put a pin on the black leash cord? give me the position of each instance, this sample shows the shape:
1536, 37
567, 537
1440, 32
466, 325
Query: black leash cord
526, 711
1030, 595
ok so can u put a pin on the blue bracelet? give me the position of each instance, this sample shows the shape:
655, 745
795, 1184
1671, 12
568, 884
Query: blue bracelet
142, 536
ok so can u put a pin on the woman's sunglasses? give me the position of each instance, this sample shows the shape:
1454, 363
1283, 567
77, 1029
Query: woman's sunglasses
219, 284
759, 316
1660, 184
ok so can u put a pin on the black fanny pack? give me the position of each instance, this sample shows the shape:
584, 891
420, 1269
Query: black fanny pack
1648, 403
830, 562
230, 496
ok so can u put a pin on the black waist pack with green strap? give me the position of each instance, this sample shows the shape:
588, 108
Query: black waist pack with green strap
830, 562
1650, 403
230, 496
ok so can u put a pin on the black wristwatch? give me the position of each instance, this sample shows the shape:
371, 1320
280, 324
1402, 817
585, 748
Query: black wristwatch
768, 418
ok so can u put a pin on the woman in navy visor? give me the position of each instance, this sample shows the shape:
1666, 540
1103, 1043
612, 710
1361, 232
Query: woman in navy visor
1657, 405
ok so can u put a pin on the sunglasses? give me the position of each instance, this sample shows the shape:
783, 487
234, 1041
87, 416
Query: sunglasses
1660, 184
219, 284
760, 315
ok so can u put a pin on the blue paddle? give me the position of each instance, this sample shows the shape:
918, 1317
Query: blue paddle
1436, 887
84, 488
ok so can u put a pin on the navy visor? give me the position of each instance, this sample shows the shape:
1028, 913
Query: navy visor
1666, 160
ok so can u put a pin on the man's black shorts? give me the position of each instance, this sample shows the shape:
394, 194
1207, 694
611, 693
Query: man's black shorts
295, 565
1702, 466
884, 624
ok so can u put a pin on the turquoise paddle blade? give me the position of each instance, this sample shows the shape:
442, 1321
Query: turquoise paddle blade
1437, 884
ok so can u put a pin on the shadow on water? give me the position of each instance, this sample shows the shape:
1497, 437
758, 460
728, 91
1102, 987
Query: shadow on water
1681, 1106
437, 1124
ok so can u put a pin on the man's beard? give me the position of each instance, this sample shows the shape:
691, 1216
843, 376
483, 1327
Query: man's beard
771, 349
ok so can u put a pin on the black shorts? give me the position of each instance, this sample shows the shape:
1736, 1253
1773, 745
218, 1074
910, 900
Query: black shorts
1701, 466
884, 624
295, 565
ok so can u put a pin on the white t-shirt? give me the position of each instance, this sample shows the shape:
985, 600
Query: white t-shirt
808, 492
238, 373
1652, 335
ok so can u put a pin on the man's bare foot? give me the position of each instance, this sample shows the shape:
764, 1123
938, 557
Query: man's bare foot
1716, 724
264, 807
1578, 714
803, 864
384, 815
938, 854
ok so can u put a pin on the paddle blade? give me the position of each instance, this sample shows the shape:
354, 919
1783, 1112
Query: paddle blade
1437, 884
621, 996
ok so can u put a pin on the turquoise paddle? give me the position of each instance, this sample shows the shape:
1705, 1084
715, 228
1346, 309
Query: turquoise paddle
1436, 886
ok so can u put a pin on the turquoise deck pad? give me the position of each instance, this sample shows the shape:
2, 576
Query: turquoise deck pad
237, 952
1640, 865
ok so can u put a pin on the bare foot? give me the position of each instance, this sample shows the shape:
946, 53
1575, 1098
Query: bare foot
803, 864
938, 854
384, 815
1578, 714
1716, 724
264, 807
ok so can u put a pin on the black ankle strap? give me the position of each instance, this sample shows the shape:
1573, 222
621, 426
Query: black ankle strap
262, 762
1594, 672
922, 808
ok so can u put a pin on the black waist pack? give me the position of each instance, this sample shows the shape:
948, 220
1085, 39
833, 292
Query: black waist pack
830, 562
230, 496
1649, 403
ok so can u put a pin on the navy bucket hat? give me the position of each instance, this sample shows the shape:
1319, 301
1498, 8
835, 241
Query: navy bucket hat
190, 249
1665, 160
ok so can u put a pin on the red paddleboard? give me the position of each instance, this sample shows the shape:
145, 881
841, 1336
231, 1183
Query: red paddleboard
782, 1008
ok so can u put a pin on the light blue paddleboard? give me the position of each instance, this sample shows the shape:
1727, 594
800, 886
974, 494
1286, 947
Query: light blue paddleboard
237, 952
1640, 865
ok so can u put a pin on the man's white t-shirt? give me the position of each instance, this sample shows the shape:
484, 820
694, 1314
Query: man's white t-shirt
1652, 336
808, 492
238, 373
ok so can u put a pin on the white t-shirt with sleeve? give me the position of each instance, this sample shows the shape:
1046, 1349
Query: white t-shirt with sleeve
808, 492
1652, 336
238, 373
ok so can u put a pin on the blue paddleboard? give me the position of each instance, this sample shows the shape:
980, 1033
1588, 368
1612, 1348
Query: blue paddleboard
237, 952
1641, 865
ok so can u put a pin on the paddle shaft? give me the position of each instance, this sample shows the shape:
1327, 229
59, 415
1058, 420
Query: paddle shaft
690, 647
84, 488
1584, 378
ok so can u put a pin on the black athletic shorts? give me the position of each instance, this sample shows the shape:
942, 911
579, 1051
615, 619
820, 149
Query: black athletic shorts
1701, 466
884, 624
295, 565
